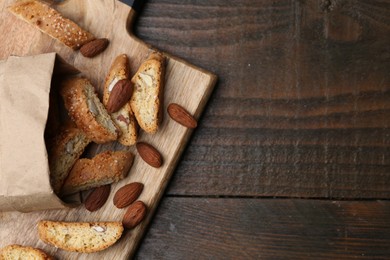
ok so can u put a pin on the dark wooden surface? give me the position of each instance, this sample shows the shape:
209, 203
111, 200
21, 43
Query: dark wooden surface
213, 228
301, 110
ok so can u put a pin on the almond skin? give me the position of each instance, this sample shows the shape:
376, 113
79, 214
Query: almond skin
94, 47
127, 194
149, 154
134, 215
182, 116
97, 198
120, 95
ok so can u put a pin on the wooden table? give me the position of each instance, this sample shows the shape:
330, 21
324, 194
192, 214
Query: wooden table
291, 158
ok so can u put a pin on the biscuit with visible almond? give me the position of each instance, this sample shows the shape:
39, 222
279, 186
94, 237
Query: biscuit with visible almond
63, 152
147, 100
86, 110
124, 118
82, 237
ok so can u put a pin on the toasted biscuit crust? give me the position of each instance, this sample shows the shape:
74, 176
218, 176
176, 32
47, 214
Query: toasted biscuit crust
104, 168
124, 118
147, 100
86, 110
51, 22
83, 237
13, 252
63, 152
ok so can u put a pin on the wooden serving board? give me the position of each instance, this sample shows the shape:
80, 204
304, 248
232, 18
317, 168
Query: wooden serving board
185, 84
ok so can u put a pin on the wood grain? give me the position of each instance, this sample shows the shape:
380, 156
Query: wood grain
302, 107
214, 228
184, 84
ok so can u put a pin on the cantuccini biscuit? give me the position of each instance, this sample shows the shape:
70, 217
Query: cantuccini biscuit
51, 22
105, 168
147, 99
83, 237
63, 151
15, 252
86, 110
124, 118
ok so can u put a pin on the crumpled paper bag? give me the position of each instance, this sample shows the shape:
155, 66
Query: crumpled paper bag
25, 84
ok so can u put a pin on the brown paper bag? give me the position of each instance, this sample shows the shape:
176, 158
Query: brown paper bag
24, 103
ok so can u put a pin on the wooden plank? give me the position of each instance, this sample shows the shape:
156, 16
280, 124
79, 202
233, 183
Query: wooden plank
302, 107
184, 84
234, 228
243, 162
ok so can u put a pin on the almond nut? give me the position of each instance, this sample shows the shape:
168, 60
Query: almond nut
120, 95
93, 48
180, 115
98, 229
127, 194
134, 215
149, 154
147, 79
97, 198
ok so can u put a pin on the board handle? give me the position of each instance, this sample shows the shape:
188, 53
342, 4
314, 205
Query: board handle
136, 5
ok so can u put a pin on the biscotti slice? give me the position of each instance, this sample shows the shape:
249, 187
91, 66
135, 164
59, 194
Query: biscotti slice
124, 117
86, 110
18, 252
147, 99
51, 22
82, 237
63, 152
105, 168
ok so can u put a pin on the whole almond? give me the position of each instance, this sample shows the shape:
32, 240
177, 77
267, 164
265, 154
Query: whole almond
127, 194
180, 115
120, 95
149, 154
134, 215
94, 47
97, 198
